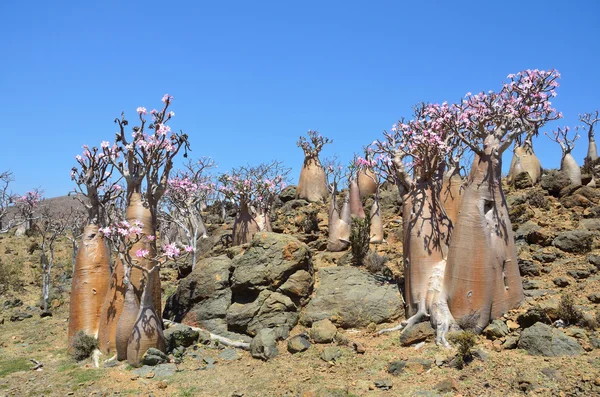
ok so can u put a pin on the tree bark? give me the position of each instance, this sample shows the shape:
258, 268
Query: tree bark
245, 226
111, 311
569, 166
367, 183
312, 185
452, 193
129, 315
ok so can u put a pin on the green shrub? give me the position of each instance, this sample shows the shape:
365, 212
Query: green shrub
465, 341
310, 222
83, 346
359, 239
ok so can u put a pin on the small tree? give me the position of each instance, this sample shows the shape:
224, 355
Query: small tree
590, 120
6, 199
26, 206
312, 185
340, 221
253, 189
568, 165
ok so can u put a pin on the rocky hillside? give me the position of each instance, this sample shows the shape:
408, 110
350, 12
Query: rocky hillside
309, 317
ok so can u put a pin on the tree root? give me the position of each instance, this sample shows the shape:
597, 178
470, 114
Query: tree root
406, 323
221, 339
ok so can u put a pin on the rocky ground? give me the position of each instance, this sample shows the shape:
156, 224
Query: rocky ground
311, 316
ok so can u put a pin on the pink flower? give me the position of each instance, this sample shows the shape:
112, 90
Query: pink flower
188, 248
150, 238
141, 253
105, 144
167, 98
141, 110
171, 250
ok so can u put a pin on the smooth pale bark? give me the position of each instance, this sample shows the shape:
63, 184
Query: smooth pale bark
91, 279
452, 192
367, 183
148, 329
376, 231
245, 226
111, 311
592, 153
356, 207
525, 160
263, 220
131, 309
312, 185
339, 225
569, 166
482, 274
137, 211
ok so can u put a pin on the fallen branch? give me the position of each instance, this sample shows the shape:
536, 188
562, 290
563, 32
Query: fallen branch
38, 365
221, 339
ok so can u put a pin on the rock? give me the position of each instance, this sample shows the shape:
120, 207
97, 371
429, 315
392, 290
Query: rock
449, 385
528, 268
288, 194
417, 333
511, 342
543, 340
229, 354
594, 260
323, 331
561, 282
495, 330
164, 371
553, 181
530, 284
20, 316
532, 316
575, 200
590, 224
353, 298
547, 255
331, 353
522, 181
526, 229
298, 343
396, 367
292, 205
268, 310
526, 383
264, 344
154, 357
12, 303
418, 365
299, 285
575, 241
180, 336
383, 384
203, 295
579, 274
594, 298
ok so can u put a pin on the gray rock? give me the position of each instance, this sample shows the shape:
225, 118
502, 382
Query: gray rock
594, 260
19, 316
417, 333
12, 303
268, 310
264, 344
163, 371
383, 384
229, 355
288, 194
594, 298
579, 274
532, 316
331, 353
575, 241
511, 342
353, 298
495, 330
180, 336
526, 229
396, 367
299, 286
546, 256
154, 357
543, 340
522, 181
323, 331
204, 294
553, 182
561, 282
298, 343
528, 268
531, 284
590, 224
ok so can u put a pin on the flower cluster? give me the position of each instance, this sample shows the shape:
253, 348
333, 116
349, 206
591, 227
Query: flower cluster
29, 200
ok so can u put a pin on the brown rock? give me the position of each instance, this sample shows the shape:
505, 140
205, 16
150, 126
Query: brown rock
447, 385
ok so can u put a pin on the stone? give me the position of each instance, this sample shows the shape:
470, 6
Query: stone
575, 200
530, 284
590, 224
526, 383
547, 255
511, 342
288, 193
418, 365
164, 371
383, 384
553, 182
543, 340
396, 367
495, 330
594, 260
575, 241
417, 333
528, 268
229, 354
12, 303
202, 295
323, 331
264, 344
180, 336
299, 285
19, 316
154, 357
579, 274
298, 344
561, 282
594, 298
532, 316
268, 310
522, 181
352, 298
331, 353
447, 385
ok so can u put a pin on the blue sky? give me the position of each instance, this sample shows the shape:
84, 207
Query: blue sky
250, 77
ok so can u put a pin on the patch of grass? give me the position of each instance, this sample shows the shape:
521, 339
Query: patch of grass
189, 392
11, 365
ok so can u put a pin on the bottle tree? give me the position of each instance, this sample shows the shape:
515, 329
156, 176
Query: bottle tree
91, 272
568, 164
312, 185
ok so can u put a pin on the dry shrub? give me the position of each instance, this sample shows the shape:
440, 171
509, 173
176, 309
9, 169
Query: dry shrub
536, 198
465, 341
568, 312
468, 322
375, 263
83, 345
359, 239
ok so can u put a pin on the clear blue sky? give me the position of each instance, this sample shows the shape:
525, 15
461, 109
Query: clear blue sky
250, 77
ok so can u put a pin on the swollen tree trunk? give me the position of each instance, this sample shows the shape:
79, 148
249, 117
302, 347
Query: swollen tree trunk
356, 207
569, 166
91, 278
592, 153
129, 315
245, 226
452, 192
367, 183
482, 274
376, 231
263, 221
148, 329
525, 160
339, 225
111, 311
312, 185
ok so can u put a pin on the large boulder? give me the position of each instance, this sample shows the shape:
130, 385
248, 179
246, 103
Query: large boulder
204, 296
575, 241
543, 340
554, 181
351, 298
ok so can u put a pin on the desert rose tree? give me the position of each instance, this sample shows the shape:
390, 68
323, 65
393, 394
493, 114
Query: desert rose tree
91, 271
312, 185
146, 164
524, 159
6, 199
568, 164
339, 221
590, 120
